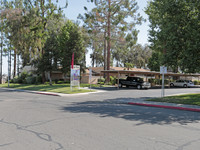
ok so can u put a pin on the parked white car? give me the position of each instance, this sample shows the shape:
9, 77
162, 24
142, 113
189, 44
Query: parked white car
182, 83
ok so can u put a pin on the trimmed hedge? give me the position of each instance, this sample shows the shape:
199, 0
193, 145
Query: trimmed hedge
158, 81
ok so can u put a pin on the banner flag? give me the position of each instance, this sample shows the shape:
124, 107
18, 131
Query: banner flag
72, 63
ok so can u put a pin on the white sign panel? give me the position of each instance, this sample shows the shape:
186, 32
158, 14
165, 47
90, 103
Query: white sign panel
75, 75
163, 69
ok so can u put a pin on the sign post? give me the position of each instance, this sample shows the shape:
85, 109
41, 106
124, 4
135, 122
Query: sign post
163, 70
75, 76
90, 77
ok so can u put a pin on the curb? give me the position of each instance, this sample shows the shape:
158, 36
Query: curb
51, 93
47, 94
164, 106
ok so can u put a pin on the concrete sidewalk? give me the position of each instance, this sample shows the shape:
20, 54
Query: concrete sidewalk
52, 93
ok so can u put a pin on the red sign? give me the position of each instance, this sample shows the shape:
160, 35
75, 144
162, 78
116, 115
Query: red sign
72, 63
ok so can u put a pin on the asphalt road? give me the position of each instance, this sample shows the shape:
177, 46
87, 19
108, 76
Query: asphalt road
98, 121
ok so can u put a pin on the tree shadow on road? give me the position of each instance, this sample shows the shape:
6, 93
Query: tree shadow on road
117, 108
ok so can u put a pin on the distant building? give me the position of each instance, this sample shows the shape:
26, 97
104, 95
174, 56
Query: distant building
96, 73
4, 79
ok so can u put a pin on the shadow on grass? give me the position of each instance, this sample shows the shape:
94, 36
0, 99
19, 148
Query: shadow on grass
118, 109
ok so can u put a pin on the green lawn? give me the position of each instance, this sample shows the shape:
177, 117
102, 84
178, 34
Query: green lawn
57, 88
190, 99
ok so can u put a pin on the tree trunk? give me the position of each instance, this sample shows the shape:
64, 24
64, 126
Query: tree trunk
43, 72
43, 77
55, 63
109, 38
65, 77
117, 63
15, 63
105, 48
43, 16
93, 59
10, 70
49, 77
18, 65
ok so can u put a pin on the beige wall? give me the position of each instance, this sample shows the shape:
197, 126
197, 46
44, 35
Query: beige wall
4, 80
57, 76
94, 80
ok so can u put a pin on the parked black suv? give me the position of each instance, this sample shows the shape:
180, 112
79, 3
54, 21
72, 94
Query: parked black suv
135, 82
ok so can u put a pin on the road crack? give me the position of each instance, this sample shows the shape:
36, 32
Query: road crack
187, 144
2, 145
42, 136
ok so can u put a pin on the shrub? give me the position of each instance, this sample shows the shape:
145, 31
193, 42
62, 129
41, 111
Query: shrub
19, 80
101, 81
157, 81
61, 82
16, 80
30, 80
11, 81
24, 75
112, 80
38, 80
24, 81
196, 82
67, 81
56, 81
22, 78
46, 83
151, 80
166, 81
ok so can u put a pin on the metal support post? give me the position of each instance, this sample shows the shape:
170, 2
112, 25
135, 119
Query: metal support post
163, 85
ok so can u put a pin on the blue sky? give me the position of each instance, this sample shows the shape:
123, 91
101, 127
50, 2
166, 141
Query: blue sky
77, 6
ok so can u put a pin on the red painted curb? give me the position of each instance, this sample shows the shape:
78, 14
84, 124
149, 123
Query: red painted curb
48, 94
163, 106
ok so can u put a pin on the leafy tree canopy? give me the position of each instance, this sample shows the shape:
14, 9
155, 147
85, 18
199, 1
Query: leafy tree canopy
175, 28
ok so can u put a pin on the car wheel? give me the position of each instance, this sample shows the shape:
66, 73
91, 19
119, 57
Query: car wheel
139, 87
185, 85
171, 85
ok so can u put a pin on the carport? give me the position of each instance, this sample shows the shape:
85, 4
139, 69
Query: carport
145, 73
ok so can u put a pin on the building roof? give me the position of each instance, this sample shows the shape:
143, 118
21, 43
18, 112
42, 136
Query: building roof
98, 70
122, 70
147, 73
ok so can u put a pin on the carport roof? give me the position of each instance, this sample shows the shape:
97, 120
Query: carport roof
147, 73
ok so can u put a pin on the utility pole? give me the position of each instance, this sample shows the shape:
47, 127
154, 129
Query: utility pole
8, 67
1, 57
